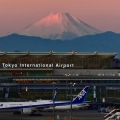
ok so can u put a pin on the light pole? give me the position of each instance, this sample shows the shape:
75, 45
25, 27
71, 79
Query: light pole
53, 102
26, 89
67, 84
103, 100
94, 94
71, 84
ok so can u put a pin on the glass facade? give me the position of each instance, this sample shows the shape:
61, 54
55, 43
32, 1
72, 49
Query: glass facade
36, 83
42, 92
25, 73
42, 88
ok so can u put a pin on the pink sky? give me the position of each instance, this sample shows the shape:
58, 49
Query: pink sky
17, 14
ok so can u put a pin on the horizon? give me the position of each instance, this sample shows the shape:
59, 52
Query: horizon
102, 15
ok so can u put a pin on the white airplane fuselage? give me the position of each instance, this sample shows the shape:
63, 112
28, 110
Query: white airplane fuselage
9, 106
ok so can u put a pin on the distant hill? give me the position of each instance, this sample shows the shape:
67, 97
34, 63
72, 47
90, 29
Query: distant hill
103, 42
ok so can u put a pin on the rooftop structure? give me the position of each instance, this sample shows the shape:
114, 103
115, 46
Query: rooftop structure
58, 54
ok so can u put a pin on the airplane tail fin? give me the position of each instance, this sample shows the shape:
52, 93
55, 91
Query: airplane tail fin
80, 98
55, 94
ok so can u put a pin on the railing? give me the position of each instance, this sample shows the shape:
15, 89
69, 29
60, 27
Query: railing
58, 84
87, 77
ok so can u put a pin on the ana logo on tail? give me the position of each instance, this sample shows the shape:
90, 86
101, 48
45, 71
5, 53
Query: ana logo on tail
81, 94
55, 93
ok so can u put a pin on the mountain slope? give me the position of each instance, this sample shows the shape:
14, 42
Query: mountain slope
104, 42
59, 26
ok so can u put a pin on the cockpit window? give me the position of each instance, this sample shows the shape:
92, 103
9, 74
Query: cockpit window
1, 104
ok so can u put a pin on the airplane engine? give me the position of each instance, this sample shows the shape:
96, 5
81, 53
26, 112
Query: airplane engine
26, 111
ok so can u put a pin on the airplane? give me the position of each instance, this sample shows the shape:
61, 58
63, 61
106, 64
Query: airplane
62, 108
54, 97
32, 107
68, 106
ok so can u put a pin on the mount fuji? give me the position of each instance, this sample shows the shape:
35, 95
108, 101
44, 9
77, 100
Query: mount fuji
62, 26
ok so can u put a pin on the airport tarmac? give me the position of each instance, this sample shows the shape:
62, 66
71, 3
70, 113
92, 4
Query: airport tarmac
77, 115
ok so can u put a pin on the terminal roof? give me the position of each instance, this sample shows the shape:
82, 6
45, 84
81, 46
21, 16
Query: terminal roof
60, 54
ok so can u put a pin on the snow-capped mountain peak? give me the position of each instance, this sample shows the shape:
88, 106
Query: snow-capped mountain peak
62, 26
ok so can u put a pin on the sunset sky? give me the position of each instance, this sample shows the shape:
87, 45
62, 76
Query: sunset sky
17, 14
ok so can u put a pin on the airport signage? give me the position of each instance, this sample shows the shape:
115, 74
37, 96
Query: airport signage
40, 65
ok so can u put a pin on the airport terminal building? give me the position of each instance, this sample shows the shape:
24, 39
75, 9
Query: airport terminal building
34, 75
